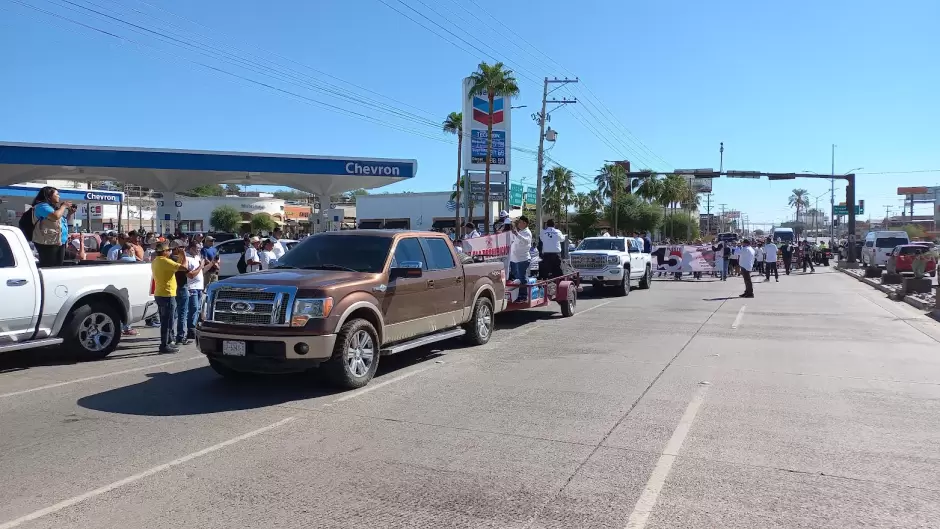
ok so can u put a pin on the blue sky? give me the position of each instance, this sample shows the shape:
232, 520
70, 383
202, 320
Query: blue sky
778, 83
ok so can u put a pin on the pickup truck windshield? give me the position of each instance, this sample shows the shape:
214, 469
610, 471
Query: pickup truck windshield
339, 252
602, 244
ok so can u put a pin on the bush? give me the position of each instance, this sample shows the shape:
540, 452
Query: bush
914, 231
262, 222
225, 218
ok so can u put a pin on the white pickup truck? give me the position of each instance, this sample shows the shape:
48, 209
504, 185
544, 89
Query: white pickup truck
80, 306
616, 262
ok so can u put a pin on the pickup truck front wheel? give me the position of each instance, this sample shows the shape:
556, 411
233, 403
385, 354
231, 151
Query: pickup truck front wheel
355, 355
647, 280
480, 327
623, 289
92, 331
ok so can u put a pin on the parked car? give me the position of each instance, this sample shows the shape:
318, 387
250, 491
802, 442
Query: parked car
615, 262
880, 244
231, 251
902, 258
80, 306
327, 305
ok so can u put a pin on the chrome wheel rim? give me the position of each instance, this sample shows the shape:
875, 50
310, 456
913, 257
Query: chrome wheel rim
96, 331
360, 354
484, 321
572, 297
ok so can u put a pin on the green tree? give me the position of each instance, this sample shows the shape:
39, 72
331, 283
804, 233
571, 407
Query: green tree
232, 189
633, 214
680, 225
453, 124
209, 190
914, 231
650, 188
799, 201
610, 181
464, 183
758, 233
225, 218
584, 223
491, 81
558, 185
262, 222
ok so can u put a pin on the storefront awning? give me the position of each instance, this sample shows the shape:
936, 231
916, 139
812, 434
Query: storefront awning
441, 224
396, 225
370, 225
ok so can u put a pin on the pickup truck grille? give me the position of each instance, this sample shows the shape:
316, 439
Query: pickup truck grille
588, 262
259, 306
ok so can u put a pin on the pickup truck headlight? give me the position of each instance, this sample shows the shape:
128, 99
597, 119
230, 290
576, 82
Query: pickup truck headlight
306, 309
613, 259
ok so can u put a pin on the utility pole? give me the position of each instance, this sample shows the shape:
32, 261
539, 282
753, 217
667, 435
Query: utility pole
721, 219
887, 217
832, 193
541, 118
708, 214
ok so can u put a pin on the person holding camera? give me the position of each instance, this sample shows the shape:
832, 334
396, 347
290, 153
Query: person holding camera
50, 226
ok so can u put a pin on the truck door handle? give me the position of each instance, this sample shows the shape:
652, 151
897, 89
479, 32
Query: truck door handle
430, 283
16, 282
459, 279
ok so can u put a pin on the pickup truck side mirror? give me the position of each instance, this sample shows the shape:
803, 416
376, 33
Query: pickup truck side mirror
407, 269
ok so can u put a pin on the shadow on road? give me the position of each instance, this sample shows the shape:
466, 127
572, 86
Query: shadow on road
720, 299
201, 391
58, 356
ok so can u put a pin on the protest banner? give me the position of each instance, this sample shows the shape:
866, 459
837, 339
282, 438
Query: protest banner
683, 258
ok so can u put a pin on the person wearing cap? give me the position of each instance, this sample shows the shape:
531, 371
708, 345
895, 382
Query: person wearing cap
252, 258
267, 254
211, 255
519, 250
470, 231
746, 264
164, 293
503, 224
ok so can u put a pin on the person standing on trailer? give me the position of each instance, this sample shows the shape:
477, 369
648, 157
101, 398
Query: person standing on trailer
550, 246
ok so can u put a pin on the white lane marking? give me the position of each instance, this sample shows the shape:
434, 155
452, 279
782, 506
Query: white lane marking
644, 506
599, 305
137, 477
373, 387
96, 377
737, 320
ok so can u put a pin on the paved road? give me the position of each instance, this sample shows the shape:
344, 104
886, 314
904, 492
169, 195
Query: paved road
814, 405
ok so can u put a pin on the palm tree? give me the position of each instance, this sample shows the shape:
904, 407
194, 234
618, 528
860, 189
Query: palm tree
610, 179
453, 124
799, 200
491, 81
673, 191
558, 185
650, 188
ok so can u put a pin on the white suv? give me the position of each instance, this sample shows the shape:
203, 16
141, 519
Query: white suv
880, 244
613, 261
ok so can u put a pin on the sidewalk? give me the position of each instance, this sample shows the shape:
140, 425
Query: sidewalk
925, 302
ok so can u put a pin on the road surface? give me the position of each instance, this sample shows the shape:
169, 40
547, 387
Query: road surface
815, 404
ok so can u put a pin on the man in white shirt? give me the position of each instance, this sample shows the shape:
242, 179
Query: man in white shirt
252, 259
278, 247
519, 251
195, 283
770, 260
470, 231
746, 262
268, 255
550, 245
758, 257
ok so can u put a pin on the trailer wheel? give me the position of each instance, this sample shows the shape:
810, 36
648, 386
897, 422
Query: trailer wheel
568, 305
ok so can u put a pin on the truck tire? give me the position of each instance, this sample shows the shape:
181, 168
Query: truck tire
480, 327
227, 372
355, 355
569, 305
647, 280
623, 289
92, 330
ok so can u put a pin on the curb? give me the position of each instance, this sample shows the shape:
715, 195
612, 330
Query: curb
910, 300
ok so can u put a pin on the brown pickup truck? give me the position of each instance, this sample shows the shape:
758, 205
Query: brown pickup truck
343, 299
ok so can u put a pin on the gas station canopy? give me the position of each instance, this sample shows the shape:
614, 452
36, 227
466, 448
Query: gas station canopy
172, 170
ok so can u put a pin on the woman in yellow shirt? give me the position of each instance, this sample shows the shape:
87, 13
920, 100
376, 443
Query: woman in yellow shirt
164, 293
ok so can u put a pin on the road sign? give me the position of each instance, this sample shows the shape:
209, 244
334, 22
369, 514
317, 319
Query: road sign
688, 172
515, 195
530, 196
478, 190
742, 174
844, 210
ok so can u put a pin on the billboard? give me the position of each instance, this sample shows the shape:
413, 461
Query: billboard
476, 118
702, 185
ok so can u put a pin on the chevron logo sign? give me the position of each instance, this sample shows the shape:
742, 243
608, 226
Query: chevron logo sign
481, 108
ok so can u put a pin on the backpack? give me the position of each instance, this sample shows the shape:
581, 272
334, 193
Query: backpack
27, 224
242, 265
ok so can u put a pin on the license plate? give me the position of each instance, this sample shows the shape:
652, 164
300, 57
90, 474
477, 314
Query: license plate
230, 348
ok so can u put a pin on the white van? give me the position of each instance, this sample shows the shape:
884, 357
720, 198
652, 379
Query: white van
879, 244
780, 235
